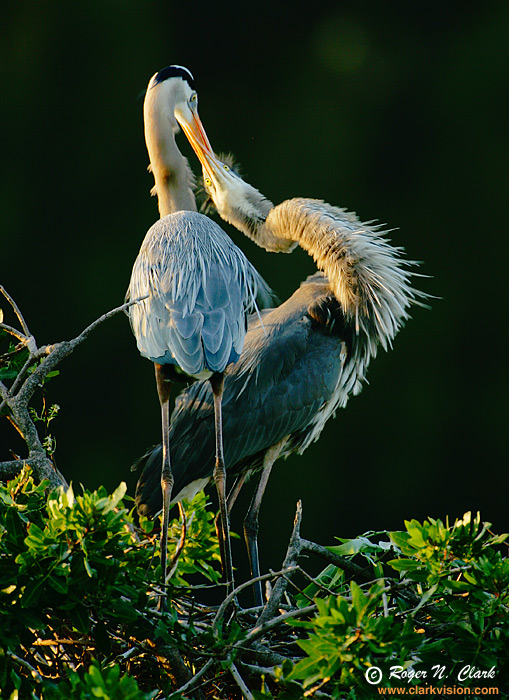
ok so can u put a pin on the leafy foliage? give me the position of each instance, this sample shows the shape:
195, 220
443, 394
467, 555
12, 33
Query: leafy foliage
75, 568
78, 584
449, 609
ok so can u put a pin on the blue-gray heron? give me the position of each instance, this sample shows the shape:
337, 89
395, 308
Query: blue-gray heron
196, 286
302, 360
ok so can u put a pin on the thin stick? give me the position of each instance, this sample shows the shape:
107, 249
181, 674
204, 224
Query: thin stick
260, 630
240, 682
35, 673
12, 331
184, 688
18, 403
341, 562
85, 333
57, 642
290, 562
16, 310
229, 598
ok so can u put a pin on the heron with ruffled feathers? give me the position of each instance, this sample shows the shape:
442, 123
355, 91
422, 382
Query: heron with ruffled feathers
302, 360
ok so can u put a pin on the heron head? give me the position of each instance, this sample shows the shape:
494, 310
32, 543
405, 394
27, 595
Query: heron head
235, 200
223, 185
172, 96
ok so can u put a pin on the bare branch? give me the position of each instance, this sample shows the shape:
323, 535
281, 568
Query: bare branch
16, 310
19, 379
261, 654
22, 390
187, 686
341, 562
261, 630
24, 664
240, 682
231, 597
290, 562
12, 331
315, 582
85, 333
9, 470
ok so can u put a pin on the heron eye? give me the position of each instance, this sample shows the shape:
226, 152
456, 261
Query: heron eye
208, 181
225, 167
194, 97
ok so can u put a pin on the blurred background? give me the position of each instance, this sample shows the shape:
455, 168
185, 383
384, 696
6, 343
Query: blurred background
394, 111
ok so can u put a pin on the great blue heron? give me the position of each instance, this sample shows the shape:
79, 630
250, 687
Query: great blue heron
196, 286
302, 360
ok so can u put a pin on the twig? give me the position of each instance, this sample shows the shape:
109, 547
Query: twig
260, 630
57, 642
16, 310
85, 333
336, 559
290, 562
315, 690
258, 670
230, 598
34, 357
187, 686
315, 582
240, 682
59, 351
12, 331
19, 395
21, 662
260, 653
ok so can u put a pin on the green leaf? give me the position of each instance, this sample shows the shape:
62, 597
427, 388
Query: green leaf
400, 539
404, 564
116, 496
359, 600
358, 544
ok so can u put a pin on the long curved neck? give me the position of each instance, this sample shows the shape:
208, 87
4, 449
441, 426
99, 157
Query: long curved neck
247, 209
365, 272
174, 180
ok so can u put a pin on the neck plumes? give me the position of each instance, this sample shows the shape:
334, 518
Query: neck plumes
247, 209
365, 272
174, 180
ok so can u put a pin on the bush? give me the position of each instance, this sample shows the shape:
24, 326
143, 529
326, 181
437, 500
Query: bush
79, 582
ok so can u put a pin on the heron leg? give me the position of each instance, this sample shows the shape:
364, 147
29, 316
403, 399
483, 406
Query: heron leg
230, 501
251, 519
235, 490
217, 384
163, 390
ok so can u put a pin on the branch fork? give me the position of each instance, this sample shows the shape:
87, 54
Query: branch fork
18, 396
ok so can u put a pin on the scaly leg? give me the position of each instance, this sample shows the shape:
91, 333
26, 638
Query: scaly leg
163, 390
251, 519
217, 383
230, 501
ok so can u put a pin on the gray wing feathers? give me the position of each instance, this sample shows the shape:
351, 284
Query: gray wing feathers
259, 410
285, 383
199, 286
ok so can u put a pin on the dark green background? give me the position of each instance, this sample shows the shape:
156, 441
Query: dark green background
396, 112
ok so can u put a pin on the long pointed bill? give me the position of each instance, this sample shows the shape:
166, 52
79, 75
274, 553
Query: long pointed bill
197, 137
